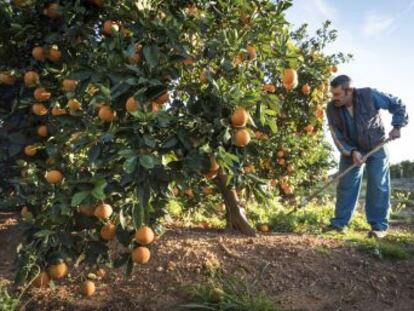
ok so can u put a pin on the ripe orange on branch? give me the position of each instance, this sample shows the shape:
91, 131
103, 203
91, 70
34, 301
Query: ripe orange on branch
241, 138
54, 177
239, 117
141, 255
144, 235
103, 211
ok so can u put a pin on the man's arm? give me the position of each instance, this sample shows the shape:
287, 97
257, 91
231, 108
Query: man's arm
338, 137
394, 105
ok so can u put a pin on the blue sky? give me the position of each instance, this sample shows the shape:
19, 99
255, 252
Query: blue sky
380, 35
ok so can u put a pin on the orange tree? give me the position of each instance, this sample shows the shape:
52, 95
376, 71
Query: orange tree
109, 108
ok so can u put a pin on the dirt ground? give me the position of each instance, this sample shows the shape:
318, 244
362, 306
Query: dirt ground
297, 272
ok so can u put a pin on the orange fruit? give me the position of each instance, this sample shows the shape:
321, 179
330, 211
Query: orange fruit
134, 58
54, 176
260, 135
188, 61
50, 161
241, 138
25, 212
108, 232
144, 235
53, 10
270, 88
131, 104
42, 131
88, 288
155, 107
109, 26
58, 271
54, 54
207, 190
281, 162
31, 79
306, 89
251, 51
238, 59
7, 78
309, 128
58, 111
106, 114
39, 54
41, 94
189, 192
319, 114
87, 210
103, 211
280, 154
239, 117
290, 79
42, 280
141, 255
334, 69
30, 150
69, 85
163, 98
39, 109
288, 189
249, 169
74, 104
263, 228
290, 168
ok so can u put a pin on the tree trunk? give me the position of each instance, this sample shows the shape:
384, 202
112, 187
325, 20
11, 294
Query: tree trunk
235, 215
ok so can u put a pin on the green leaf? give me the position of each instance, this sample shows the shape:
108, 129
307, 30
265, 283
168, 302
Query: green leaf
130, 164
137, 215
144, 193
98, 190
147, 161
119, 89
78, 198
94, 153
151, 55
272, 125
43, 233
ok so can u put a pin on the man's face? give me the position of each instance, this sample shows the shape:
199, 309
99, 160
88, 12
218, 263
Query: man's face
341, 96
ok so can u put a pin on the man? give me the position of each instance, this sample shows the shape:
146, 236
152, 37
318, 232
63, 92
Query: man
356, 128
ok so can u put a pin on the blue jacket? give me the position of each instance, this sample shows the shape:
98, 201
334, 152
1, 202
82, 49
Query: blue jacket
365, 129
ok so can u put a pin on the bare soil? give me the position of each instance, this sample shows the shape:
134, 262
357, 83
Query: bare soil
297, 273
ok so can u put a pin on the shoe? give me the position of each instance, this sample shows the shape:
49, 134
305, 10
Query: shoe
378, 234
334, 228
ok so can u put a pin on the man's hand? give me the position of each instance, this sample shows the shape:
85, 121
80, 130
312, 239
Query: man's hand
357, 158
395, 133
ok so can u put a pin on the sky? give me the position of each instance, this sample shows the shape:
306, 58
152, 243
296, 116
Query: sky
379, 34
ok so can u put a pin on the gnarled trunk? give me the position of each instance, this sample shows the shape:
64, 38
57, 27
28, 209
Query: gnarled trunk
235, 216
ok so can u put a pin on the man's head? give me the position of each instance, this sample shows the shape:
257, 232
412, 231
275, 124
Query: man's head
342, 91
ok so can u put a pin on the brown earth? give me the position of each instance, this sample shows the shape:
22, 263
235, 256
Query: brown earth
297, 273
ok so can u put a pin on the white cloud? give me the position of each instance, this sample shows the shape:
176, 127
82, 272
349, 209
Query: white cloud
377, 24
326, 10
